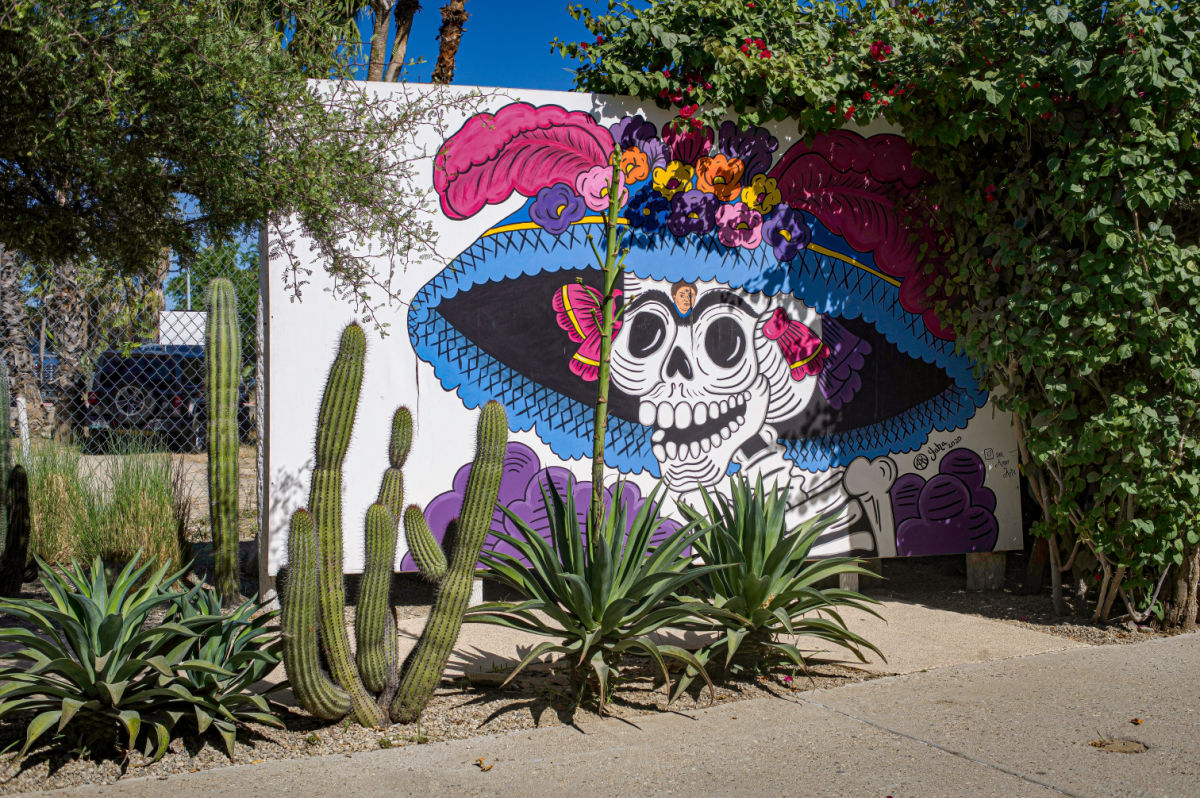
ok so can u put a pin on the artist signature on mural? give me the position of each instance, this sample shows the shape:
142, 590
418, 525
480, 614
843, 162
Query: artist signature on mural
922, 460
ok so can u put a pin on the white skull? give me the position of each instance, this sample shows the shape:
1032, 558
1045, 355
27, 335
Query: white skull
707, 381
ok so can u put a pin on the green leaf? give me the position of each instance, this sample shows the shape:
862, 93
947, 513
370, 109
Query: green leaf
37, 727
1078, 29
1058, 14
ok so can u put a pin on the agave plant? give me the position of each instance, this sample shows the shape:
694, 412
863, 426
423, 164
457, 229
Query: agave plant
95, 667
599, 605
768, 585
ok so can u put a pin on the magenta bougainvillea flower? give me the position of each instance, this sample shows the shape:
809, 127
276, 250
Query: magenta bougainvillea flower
693, 211
786, 232
593, 186
739, 225
556, 207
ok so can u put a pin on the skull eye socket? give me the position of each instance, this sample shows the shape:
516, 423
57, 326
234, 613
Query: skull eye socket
647, 332
725, 342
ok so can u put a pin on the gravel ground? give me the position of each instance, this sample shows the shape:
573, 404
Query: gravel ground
463, 709
457, 710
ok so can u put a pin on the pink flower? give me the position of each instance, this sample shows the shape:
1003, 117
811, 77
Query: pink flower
593, 186
739, 225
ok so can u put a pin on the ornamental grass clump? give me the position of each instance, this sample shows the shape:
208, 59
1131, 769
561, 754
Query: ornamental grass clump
599, 601
762, 579
127, 664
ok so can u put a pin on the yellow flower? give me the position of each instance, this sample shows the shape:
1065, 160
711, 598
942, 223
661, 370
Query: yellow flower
762, 194
674, 178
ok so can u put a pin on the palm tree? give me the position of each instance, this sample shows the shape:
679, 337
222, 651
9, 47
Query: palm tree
454, 17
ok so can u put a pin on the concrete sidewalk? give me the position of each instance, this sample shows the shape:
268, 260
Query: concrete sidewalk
1013, 727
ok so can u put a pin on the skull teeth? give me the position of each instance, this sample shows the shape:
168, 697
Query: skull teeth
687, 428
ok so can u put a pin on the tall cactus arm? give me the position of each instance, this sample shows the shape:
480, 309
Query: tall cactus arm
335, 422
391, 487
5, 448
428, 660
374, 599
430, 559
298, 601
223, 360
16, 547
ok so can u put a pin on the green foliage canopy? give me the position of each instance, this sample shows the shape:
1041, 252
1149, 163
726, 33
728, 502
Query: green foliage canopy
1063, 140
130, 126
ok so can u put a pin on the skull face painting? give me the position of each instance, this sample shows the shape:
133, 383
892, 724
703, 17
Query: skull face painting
785, 332
704, 381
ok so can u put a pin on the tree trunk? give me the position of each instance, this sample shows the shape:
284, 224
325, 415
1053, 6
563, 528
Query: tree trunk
454, 17
68, 311
382, 10
405, 10
158, 297
14, 321
1183, 611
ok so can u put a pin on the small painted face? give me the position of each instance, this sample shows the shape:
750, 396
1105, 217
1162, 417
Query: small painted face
684, 297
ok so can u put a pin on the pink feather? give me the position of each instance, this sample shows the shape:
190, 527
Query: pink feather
865, 190
519, 148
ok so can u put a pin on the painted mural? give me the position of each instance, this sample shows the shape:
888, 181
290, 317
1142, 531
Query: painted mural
773, 318
774, 321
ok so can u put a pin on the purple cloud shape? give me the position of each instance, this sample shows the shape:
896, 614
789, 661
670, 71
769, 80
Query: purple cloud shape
521, 483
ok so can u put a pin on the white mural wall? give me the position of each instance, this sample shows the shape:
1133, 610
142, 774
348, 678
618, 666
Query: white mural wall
776, 322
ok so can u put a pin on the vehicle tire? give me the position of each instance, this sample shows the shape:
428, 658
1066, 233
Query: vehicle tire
198, 437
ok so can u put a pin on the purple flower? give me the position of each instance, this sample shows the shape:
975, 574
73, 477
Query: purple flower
739, 225
688, 146
648, 210
634, 131
753, 147
521, 483
693, 211
786, 232
556, 207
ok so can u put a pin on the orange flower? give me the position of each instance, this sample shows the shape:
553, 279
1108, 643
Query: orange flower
719, 175
634, 165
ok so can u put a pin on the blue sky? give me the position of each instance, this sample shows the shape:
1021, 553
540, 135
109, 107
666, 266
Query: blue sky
505, 43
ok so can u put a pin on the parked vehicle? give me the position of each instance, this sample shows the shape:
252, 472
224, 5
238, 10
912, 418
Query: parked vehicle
157, 390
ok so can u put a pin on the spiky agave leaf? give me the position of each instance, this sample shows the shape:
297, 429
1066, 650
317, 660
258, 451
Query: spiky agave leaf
769, 586
600, 602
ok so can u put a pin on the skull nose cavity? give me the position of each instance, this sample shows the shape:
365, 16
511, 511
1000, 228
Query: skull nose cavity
678, 364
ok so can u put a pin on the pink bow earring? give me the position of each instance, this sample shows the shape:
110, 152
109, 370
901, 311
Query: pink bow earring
802, 349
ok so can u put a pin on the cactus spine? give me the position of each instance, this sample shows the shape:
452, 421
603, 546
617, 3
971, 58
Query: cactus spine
223, 359
315, 565
313, 690
454, 590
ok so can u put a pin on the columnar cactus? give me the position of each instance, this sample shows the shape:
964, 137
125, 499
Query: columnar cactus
16, 544
313, 597
223, 358
5, 449
454, 588
14, 502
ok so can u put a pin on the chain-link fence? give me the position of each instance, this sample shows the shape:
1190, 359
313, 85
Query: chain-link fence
105, 366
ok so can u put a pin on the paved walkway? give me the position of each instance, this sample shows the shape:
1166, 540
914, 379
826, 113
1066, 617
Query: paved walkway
1019, 726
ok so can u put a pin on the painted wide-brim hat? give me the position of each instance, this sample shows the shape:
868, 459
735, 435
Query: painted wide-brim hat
831, 226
